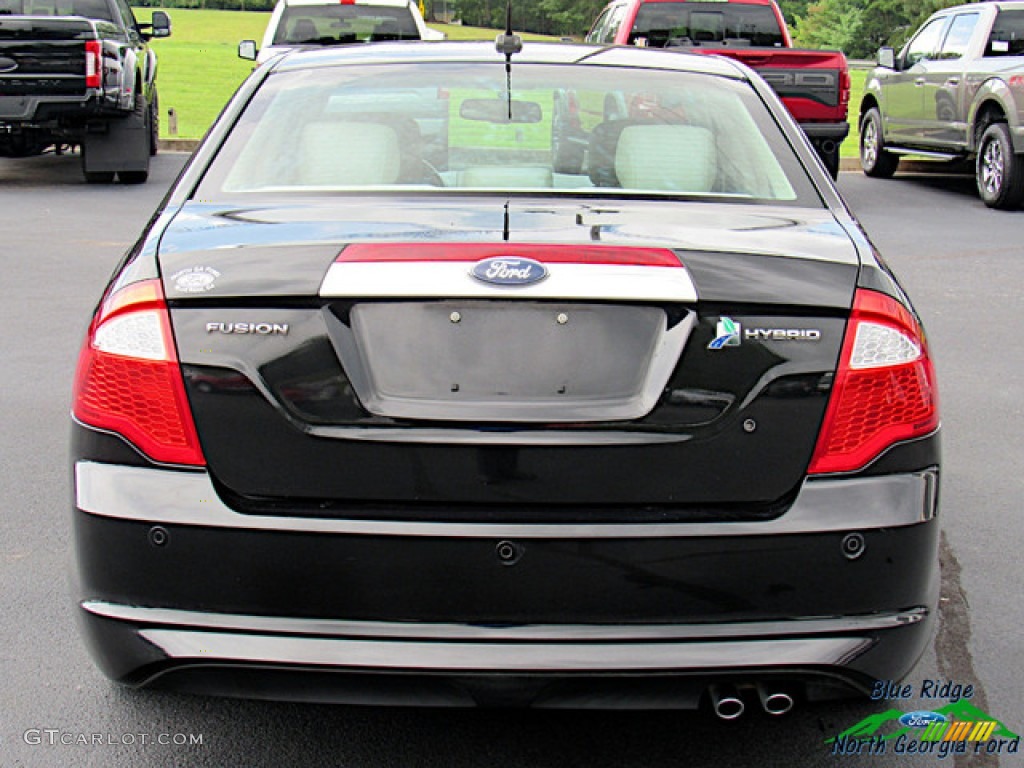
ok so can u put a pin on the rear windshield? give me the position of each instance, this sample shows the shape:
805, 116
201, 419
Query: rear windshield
662, 24
90, 9
1007, 38
334, 24
580, 130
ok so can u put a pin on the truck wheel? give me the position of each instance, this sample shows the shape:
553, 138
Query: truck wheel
99, 177
998, 170
831, 161
874, 158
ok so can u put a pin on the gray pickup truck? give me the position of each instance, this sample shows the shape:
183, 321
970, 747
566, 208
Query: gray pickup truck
955, 92
80, 72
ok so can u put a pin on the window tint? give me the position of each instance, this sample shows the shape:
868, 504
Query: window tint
432, 128
926, 44
959, 36
1007, 38
90, 9
661, 24
334, 24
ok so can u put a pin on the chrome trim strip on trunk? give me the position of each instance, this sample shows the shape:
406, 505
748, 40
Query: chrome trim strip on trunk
503, 657
452, 279
161, 496
225, 622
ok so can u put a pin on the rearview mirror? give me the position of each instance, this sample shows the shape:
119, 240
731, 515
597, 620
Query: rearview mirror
247, 50
887, 57
501, 111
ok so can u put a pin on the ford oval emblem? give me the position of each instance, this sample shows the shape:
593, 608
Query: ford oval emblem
509, 270
921, 718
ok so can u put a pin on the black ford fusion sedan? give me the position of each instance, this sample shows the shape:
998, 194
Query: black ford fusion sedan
447, 375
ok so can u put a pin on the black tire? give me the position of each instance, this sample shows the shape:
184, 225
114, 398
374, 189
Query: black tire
875, 160
154, 124
99, 177
20, 145
133, 177
831, 161
998, 170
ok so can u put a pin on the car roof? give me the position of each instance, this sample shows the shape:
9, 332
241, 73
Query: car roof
720, 2
416, 51
1006, 6
386, 3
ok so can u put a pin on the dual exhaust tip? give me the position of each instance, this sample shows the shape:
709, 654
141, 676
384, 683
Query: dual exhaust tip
728, 704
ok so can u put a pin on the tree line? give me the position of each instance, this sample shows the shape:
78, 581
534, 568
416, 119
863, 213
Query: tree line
857, 27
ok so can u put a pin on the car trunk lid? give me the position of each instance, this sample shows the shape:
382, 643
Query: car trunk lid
344, 357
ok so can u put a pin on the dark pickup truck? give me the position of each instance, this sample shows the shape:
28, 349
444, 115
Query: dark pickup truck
814, 85
80, 72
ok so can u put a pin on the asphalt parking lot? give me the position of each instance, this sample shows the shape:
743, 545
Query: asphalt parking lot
60, 239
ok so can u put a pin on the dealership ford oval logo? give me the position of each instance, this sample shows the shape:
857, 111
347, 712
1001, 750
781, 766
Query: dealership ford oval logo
509, 270
921, 718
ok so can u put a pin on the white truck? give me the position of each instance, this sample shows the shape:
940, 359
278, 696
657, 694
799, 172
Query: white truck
311, 23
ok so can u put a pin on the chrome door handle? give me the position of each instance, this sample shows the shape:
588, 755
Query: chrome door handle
953, 81
919, 81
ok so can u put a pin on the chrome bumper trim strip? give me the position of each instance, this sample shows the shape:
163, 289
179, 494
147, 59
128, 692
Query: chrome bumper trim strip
169, 497
503, 657
422, 631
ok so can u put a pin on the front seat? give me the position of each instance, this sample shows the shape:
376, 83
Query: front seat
304, 31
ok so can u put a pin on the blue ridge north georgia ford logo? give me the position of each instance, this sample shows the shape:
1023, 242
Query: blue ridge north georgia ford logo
509, 270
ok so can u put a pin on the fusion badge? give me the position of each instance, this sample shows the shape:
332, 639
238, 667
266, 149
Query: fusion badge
258, 329
509, 270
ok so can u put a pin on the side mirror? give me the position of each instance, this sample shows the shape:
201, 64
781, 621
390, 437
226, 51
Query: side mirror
161, 24
247, 50
887, 57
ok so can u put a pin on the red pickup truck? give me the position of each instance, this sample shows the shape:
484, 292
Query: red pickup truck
814, 85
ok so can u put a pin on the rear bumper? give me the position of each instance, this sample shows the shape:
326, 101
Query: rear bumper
178, 590
41, 109
826, 131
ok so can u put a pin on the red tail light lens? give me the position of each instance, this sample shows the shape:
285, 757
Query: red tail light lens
93, 64
128, 379
884, 390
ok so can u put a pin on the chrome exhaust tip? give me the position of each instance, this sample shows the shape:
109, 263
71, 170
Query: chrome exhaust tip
774, 702
726, 702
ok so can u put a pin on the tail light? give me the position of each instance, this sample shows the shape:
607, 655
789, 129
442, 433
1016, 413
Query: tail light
884, 390
128, 379
93, 64
845, 86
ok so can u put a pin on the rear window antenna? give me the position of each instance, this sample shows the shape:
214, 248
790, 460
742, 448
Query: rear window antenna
508, 42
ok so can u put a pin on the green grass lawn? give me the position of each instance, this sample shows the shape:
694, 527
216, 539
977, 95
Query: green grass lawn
198, 66
200, 69
850, 147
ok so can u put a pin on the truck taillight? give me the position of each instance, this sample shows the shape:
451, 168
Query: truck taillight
93, 64
128, 379
845, 86
884, 389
